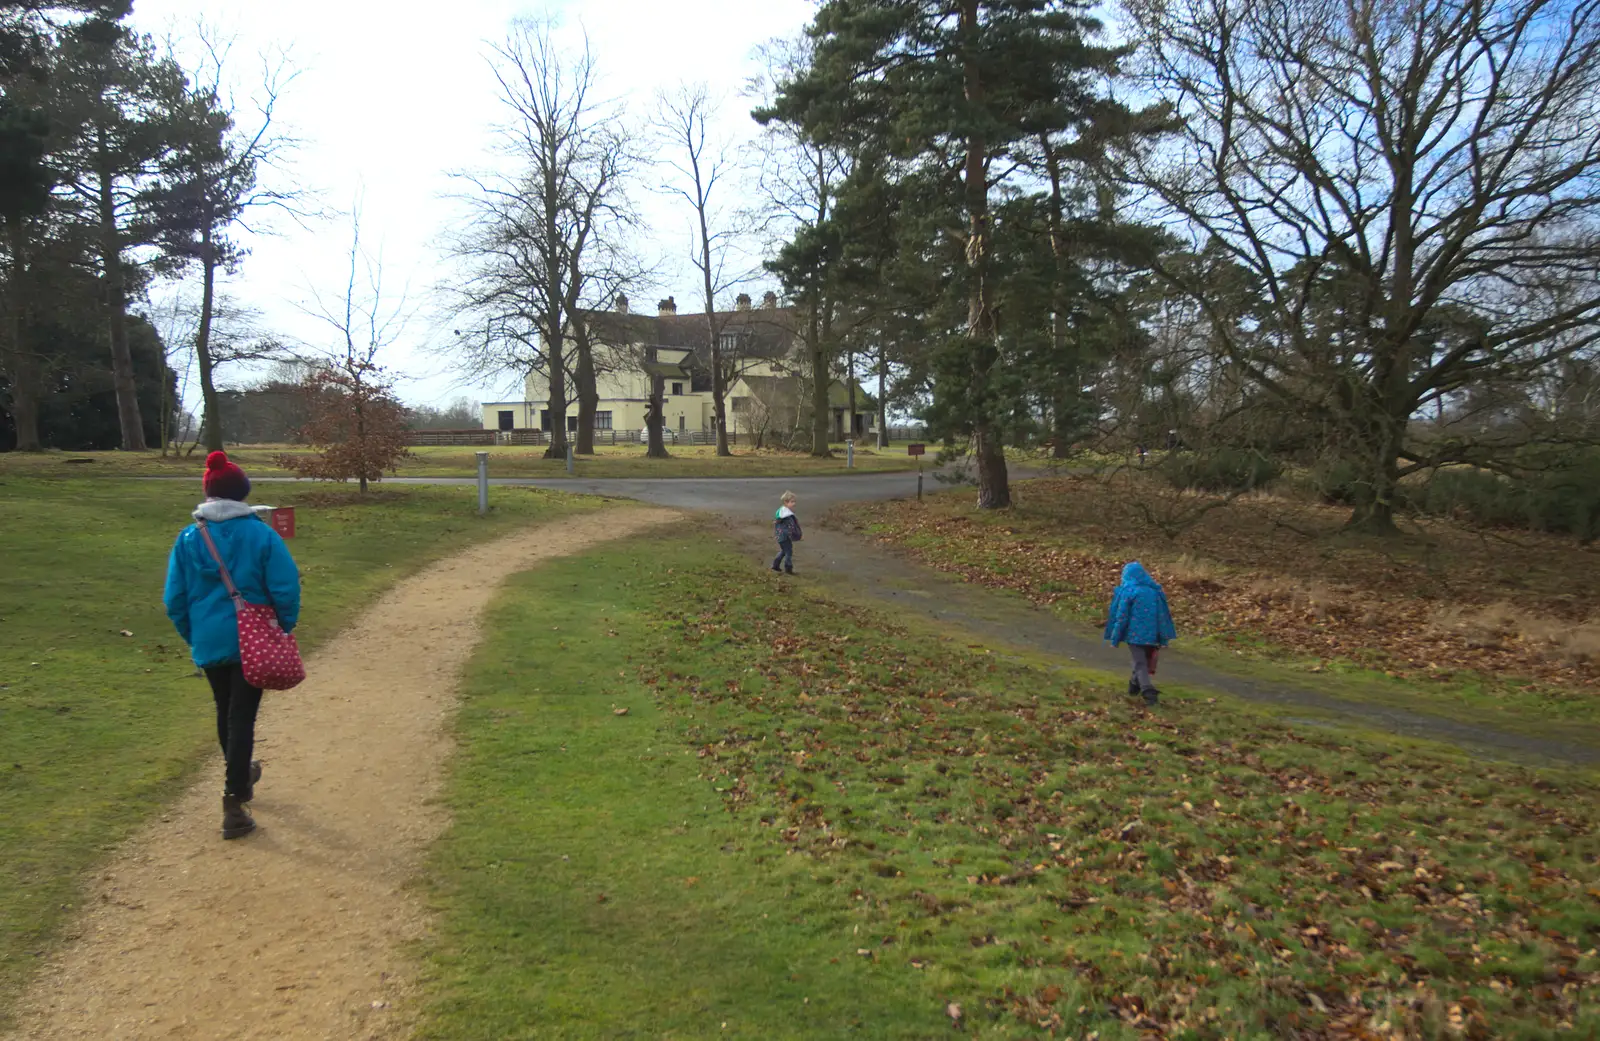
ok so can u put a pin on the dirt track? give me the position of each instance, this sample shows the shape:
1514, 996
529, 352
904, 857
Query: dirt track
297, 931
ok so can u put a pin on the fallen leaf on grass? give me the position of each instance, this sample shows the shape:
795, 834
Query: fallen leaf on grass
954, 1012
127, 632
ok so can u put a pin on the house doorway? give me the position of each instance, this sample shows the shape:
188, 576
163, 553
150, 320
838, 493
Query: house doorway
507, 419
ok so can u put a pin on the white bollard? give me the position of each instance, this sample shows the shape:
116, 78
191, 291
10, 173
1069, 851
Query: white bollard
850, 453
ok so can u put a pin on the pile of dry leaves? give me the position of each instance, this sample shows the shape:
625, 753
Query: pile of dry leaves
1432, 602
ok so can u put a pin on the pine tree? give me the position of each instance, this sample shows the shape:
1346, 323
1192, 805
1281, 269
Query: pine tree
949, 90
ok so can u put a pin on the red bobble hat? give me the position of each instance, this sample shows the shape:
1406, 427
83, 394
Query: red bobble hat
224, 479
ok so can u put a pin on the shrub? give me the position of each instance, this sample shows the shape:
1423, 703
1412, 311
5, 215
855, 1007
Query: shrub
1222, 470
1474, 496
1567, 498
1562, 497
1336, 482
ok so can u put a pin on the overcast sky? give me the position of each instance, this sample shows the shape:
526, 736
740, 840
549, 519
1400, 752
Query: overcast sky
388, 104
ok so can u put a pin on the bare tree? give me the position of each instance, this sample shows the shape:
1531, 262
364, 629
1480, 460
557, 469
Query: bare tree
214, 191
1415, 185
701, 165
543, 240
360, 424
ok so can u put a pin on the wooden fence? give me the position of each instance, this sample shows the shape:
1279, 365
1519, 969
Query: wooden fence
487, 438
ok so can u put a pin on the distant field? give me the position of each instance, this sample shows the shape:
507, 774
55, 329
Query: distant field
510, 461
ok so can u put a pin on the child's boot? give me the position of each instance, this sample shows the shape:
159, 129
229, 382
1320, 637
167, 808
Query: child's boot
1152, 697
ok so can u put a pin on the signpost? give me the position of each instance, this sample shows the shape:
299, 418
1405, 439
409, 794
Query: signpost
918, 450
483, 482
283, 521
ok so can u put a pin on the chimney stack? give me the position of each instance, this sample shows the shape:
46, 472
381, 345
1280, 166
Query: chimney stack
669, 306
622, 303
742, 302
770, 300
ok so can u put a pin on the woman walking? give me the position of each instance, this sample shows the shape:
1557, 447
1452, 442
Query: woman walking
201, 608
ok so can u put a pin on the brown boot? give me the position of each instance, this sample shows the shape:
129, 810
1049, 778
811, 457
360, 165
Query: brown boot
236, 820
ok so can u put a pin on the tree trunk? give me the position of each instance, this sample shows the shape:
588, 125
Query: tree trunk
1067, 387
654, 419
883, 400
212, 424
1374, 506
18, 361
1064, 412
994, 487
557, 402
588, 394
116, 302
21, 368
719, 403
24, 410
1061, 436
821, 380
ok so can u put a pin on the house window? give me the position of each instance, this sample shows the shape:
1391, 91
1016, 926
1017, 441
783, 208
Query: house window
741, 404
572, 424
730, 341
677, 389
602, 421
544, 420
649, 354
508, 419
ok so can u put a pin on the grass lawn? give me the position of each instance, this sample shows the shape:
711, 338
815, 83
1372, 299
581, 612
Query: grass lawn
608, 461
102, 718
812, 824
1504, 625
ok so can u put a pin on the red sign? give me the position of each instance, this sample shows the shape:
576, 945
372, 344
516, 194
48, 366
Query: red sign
283, 521
916, 449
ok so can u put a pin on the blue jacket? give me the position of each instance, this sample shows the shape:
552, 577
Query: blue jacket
785, 525
198, 602
1138, 613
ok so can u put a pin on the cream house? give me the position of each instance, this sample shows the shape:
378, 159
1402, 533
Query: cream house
769, 395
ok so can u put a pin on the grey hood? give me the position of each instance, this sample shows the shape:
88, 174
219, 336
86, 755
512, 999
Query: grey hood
214, 511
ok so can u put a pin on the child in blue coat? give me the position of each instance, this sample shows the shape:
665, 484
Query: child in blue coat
786, 529
1140, 617
203, 613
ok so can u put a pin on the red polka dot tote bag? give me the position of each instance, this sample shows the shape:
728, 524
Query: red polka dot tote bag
270, 657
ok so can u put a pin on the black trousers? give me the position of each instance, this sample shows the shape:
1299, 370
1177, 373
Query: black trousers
237, 704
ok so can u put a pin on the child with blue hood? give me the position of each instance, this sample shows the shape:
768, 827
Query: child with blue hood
1140, 617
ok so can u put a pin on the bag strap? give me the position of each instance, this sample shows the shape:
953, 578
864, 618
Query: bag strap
227, 579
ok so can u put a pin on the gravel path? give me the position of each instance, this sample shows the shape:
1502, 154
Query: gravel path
298, 931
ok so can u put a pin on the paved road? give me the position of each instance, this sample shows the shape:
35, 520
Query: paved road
863, 570
729, 496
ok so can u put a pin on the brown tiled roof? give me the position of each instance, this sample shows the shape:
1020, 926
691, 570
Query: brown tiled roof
765, 332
